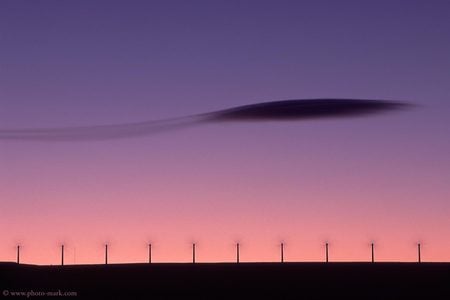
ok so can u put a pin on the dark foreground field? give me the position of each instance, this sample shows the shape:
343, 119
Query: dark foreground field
230, 281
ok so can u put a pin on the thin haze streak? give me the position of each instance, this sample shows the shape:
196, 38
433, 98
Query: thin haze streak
287, 110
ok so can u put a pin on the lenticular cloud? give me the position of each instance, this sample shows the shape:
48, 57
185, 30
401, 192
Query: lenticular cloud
286, 110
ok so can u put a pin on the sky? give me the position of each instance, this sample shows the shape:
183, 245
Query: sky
348, 182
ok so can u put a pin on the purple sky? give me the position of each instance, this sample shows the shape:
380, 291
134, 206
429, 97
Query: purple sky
65, 63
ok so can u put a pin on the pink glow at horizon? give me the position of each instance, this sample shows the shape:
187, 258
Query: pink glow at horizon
303, 217
381, 178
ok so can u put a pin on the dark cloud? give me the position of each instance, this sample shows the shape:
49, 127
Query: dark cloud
306, 109
267, 111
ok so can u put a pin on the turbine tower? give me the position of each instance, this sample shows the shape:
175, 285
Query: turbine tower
62, 255
419, 259
106, 254
149, 253
18, 254
373, 253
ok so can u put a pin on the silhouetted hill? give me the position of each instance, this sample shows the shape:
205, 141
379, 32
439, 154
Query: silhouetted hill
230, 280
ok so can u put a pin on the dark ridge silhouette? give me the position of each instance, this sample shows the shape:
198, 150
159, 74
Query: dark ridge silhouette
287, 110
286, 280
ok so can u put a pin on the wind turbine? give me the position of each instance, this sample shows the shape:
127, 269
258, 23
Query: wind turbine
18, 254
373, 253
106, 254
62, 255
149, 253
419, 259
